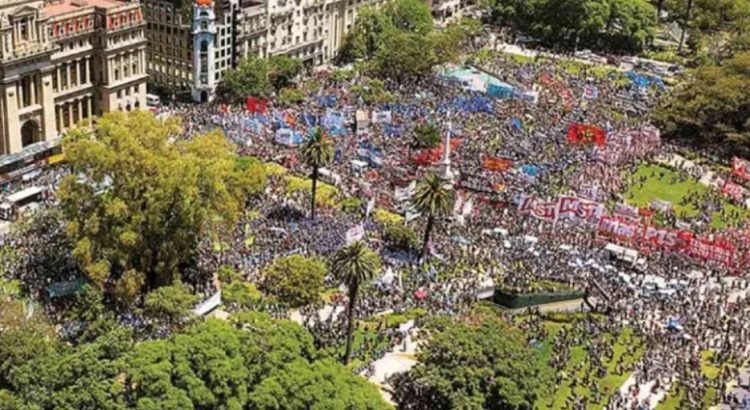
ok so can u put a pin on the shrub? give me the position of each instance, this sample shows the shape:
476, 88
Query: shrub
400, 237
351, 206
325, 195
290, 96
386, 217
241, 295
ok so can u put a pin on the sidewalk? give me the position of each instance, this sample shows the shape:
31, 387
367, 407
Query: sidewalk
395, 361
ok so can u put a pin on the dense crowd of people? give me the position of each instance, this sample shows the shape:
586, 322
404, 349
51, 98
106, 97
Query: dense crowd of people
677, 308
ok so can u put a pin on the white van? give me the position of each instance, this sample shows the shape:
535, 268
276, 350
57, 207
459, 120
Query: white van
23, 201
330, 177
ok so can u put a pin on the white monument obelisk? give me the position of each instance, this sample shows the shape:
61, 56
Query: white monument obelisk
445, 165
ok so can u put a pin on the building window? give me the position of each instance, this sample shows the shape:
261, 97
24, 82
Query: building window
24, 29
63, 77
73, 75
82, 72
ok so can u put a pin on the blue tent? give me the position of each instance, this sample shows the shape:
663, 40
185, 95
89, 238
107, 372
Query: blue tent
500, 91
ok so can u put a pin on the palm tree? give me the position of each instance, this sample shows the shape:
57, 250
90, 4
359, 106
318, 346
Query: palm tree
317, 152
433, 197
354, 265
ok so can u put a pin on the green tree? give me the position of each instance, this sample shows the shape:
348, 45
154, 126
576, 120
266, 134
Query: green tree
137, 205
366, 37
405, 56
372, 91
316, 152
355, 265
631, 24
426, 136
249, 78
208, 366
282, 70
712, 109
476, 362
324, 384
47, 374
290, 96
400, 237
171, 305
433, 197
412, 16
295, 280
241, 295
601, 24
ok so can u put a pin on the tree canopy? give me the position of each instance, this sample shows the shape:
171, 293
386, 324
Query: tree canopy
213, 364
475, 362
614, 25
398, 41
137, 205
295, 280
258, 77
712, 108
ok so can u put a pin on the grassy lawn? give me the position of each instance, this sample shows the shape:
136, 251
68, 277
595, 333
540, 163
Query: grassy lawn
359, 355
676, 394
659, 186
609, 383
394, 320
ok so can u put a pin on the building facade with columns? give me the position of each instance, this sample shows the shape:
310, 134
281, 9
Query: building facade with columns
63, 62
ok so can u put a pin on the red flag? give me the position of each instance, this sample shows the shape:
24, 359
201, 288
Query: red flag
256, 105
496, 164
586, 134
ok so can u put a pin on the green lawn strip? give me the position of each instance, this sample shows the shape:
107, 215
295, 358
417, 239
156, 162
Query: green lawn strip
394, 320
610, 383
709, 370
358, 341
660, 186
673, 399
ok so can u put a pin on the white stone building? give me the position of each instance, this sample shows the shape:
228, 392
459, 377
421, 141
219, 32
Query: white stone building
311, 30
65, 61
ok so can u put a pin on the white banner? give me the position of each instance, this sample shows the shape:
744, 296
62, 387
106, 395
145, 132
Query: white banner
381, 117
355, 234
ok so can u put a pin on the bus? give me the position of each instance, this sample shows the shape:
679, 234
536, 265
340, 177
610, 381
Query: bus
32, 157
25, 200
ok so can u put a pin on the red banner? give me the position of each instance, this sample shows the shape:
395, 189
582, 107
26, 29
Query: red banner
666, 238
579, 210
620, 229
713, 250
586, 134
638, 233
496, 164
256, 105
